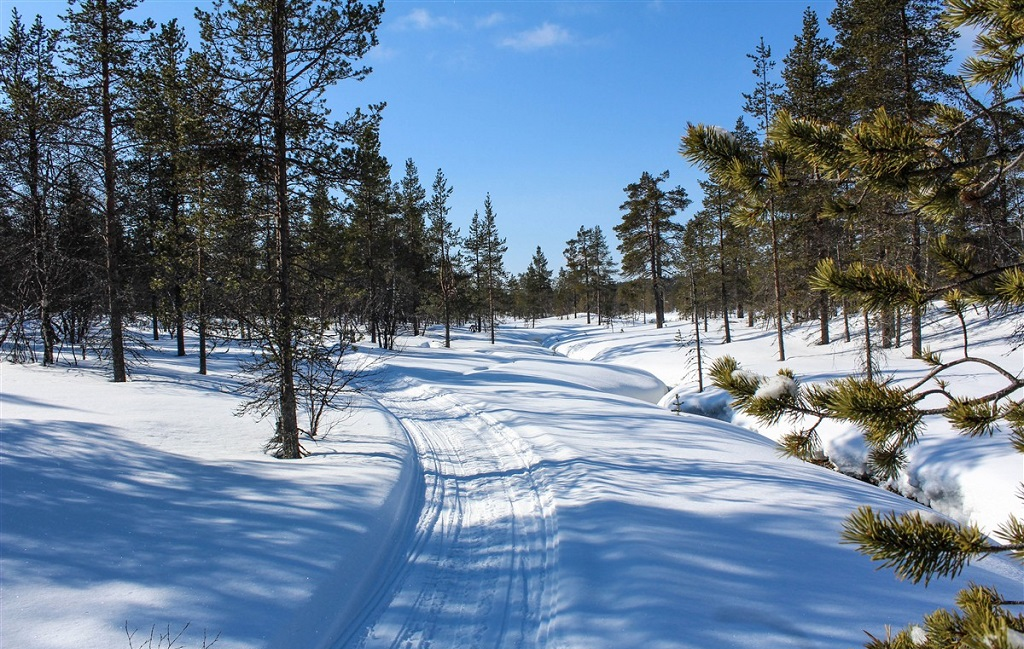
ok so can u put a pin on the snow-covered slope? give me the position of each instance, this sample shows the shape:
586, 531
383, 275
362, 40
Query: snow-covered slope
483, 496
967, 479
150, 503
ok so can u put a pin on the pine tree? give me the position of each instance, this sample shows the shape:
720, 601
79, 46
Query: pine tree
927, 162
998, 58
648, 236
716, 208
163, 118
602, 267
583, 256
757, 174
809, 93
34, 120
492, 252
474, 244
761, 103
536, 287
590, 267
104, 44
282, 57
891, 56
445, 255
414, 280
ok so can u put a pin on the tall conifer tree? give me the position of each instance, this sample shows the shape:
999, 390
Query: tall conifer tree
104, 46
492, 262
444, 245
281, 57
648, 236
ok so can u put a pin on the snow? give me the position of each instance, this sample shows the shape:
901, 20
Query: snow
969, 480
1014, 639
485, 495
776, 387
918, 635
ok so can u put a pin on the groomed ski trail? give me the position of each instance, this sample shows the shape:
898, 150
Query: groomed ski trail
481, 568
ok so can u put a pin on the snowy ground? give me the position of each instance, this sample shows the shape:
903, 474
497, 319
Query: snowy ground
483, 496
967, 479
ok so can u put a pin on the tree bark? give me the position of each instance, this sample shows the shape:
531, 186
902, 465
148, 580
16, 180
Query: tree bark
111, 221
778, 278
285, 326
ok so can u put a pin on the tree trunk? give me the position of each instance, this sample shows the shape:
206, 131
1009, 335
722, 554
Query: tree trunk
868, 368
656, 285
823, 316
288, 433
778, 277
916, 332
41, 247
696, 333
111, 220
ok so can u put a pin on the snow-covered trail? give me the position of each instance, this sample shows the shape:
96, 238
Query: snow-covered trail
562, 509
480, 568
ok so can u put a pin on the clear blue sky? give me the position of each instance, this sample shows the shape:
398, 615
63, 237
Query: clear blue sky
551, 106
555, 106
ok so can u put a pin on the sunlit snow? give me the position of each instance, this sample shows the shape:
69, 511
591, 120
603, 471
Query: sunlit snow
481, 496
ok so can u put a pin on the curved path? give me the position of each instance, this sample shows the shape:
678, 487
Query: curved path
481, 568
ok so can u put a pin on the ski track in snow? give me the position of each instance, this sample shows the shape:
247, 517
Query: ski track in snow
481, 569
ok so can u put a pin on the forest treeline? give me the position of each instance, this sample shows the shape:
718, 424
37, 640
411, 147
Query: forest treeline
206, 187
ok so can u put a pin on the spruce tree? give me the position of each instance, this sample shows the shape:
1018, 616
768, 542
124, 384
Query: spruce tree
371, 237
808, 90
536, 287
413, 281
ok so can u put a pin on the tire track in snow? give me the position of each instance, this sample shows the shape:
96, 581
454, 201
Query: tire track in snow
482, 565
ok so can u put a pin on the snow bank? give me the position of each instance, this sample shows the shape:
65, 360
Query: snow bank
149, 502
971, 480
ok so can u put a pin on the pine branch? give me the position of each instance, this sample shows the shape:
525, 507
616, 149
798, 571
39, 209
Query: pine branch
915, 548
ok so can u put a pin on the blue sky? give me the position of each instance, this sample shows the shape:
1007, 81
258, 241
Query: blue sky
551, 106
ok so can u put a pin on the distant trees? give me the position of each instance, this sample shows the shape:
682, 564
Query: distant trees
536, 288
486, 250
711, 241
589, 270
